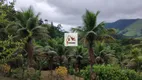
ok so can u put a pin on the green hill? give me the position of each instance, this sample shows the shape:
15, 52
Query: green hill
133, 30
127, 27
120, 24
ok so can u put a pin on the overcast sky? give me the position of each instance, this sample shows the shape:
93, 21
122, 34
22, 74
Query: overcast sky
69, 12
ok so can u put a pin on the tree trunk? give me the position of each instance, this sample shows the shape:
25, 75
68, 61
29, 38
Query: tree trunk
76, 67
60, 60
51, 65
92, 59
29, 50
79, 63
68, 64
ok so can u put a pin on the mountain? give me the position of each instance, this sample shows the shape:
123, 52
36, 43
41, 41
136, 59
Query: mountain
127, 27
134, 29
120, 24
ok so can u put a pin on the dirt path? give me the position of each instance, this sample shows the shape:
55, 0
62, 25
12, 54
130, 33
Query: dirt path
47, 76
5, 78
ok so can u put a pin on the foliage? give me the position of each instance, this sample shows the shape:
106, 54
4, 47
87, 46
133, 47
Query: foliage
71, 71
8, 9
5, 68
10, 48
109, 72
54, 31
7, 15
61, 71
30, 73
26, 25
21, 32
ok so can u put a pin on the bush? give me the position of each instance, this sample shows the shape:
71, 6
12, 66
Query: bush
110, 73
4, 69
61, 71
71, 71
30, 74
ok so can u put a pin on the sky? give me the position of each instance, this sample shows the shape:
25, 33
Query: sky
69, 12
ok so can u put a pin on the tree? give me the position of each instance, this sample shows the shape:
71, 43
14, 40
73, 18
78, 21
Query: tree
90, 37
51, 55
8, 9
7, 14
55, 31
61, 50
90, 32
26, 26
136, 61
79, 55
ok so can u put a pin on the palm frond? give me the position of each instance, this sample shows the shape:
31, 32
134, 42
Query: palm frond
28, 13
23, 32
111, 31
97, 13
90, 36
106, 38
52, 53
76, 30
31, 23
100, 29
40, 32
21, 18
89, 20
12, 28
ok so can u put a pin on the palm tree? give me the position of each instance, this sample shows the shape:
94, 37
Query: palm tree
136, 58
90, 37
51, 54
61, 53
90, 31
89, 24
26, 26
79, 54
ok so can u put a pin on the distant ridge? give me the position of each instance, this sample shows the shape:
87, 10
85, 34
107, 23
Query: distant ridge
120, 24
127, 27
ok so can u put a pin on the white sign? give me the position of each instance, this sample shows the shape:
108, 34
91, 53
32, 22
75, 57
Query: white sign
71, 39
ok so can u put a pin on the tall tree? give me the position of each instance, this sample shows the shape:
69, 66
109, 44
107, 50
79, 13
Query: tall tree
26, 26
90, 31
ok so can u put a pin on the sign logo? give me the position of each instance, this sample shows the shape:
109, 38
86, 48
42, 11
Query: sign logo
70, 39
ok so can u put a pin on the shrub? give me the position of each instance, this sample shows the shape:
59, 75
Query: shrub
61, 71
110, 73
17, 73
71, 71
132, 75
5, 68
30, 74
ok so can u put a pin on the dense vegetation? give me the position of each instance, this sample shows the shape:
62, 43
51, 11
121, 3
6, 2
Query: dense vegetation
28, 46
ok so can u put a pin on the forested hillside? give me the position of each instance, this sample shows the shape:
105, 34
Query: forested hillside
127, 27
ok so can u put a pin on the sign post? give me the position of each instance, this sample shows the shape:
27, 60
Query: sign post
71, 39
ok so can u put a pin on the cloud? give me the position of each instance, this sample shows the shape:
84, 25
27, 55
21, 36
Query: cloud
69, 12
110, 9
